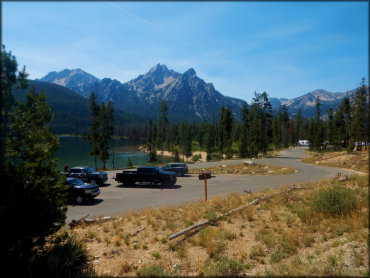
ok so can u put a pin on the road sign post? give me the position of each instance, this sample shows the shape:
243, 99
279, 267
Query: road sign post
205, 176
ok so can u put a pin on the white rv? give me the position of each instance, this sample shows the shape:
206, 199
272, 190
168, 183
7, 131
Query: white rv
303, 143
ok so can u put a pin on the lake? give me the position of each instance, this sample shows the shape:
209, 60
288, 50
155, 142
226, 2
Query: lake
74, 151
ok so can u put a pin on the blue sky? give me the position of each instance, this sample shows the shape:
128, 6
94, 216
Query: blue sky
284, 48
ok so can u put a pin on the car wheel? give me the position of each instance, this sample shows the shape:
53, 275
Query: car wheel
79, 200
182, 174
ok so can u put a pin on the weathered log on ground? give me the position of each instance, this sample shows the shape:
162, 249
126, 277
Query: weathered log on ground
208, 222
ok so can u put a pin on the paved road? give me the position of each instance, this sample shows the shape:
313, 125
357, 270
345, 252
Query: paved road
116, 199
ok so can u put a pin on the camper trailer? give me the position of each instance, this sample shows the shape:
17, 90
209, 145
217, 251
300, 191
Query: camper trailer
303, 143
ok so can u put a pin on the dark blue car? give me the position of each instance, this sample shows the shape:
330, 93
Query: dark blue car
78, 191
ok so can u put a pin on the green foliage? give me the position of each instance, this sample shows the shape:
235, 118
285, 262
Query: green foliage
129, 163
33, 203
176, 157
196, 157
67, 258
210, 214
93, 134
335, 201
152, 270
222, 266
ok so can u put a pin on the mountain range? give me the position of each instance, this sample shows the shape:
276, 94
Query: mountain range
188, 97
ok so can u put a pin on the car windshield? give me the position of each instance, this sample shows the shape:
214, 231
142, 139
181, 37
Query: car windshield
76, 182
90, 170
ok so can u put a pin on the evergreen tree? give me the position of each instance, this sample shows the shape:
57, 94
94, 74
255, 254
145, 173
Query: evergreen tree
110, 114
359, 111
33, 204
255, 132
298, 126
318, 138
266, 122
345, 107
226, 121
210, 139
93, 134
331, 127
105, 120
162, 125
339, 133
244, 138
9, 78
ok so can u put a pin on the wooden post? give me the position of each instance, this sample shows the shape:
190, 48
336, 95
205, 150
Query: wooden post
205, 186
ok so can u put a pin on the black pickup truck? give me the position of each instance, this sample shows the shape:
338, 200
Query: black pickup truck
87, 174
150, 174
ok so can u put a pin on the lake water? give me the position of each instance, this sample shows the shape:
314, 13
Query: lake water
74, 151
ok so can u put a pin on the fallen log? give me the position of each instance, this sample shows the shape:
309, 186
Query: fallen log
74, 223
208, 222
138, 231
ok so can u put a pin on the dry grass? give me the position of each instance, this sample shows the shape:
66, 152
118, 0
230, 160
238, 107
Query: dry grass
282, 236
357, 160
241, 169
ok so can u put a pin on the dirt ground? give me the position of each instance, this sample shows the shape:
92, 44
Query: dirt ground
357, 160
275, 237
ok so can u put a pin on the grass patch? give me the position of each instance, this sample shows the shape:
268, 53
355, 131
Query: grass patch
222, 266
335, 201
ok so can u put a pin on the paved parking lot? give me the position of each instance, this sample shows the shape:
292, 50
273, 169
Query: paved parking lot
116, 199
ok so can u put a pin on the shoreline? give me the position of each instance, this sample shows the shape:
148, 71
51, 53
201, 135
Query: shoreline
170, 154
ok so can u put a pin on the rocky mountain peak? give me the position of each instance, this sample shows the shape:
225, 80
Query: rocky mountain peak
158, 69
190, 72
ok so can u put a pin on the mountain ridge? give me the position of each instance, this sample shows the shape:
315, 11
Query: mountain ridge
188, 96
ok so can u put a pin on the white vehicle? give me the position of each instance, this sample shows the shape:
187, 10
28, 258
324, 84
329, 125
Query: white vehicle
303, 143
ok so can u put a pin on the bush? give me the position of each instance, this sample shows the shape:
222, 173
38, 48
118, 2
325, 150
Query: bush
335, 201
222, 266
67, 257
196, 157
129, 163
152, 270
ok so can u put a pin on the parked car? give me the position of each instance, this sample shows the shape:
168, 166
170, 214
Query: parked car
88, 174
179, 168
150, 174
78, 191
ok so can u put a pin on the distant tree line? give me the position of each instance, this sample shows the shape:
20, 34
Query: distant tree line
261, 130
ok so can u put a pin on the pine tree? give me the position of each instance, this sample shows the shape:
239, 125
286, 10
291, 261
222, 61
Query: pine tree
110, 114
244, 138
298, 126
318, 138
331, 127
226, 122
163, 126
105, 122
9, 78
359, 111
33, 204
339, 134
93, 134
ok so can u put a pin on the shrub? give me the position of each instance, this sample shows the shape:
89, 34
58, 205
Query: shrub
222, 266
152, 270
129, 163
335, 201
211, 215
196, 157
156, 254
64, 259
